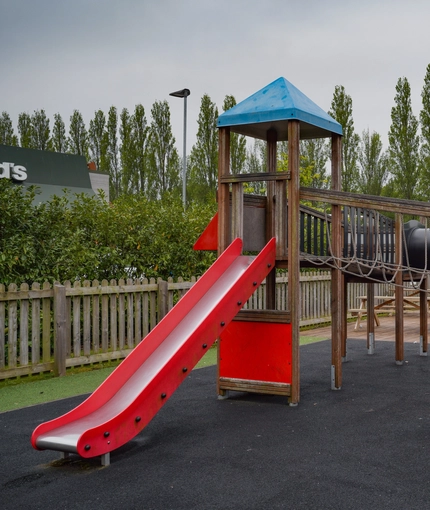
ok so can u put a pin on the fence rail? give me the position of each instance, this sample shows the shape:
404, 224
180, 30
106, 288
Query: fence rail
103, 321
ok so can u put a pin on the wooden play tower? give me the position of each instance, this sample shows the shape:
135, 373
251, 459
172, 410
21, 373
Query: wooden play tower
278, 112
268, 339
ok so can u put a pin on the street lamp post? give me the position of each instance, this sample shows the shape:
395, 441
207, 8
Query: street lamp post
184, 93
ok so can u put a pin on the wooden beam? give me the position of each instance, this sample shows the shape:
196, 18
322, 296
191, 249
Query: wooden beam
260, 176
27, 370
336, 274
270, 388
423, 317
275, 316
281, 212
344, 327
59, 330
162, 298
386, 204
293, 248
271, 200
272, 160
223, 211
223, 190
237, 210
370, 318
398, 292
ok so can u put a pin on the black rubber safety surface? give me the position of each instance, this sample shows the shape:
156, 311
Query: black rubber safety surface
365, 446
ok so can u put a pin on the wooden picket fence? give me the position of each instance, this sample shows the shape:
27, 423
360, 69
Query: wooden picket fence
104, 321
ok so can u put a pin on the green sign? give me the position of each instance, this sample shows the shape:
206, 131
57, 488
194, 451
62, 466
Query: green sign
51, 171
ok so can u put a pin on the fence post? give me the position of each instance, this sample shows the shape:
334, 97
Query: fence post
59, 330
163, 302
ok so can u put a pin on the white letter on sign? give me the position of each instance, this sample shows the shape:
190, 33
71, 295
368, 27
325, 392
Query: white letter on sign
5, 170
19, 173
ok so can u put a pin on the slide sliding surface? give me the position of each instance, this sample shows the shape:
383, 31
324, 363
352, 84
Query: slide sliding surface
135, 391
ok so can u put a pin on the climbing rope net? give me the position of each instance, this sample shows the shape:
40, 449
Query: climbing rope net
377, 268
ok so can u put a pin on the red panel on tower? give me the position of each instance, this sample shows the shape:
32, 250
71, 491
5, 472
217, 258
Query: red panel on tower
209, 239
256, 351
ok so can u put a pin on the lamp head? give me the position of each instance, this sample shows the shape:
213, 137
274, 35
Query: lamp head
181, 93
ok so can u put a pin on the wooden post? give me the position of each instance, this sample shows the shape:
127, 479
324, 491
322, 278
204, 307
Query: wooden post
223, 190
370, 318
59, 330
237, 210
271, 216
423, 318
294, 253
163, 298
398, 293
336, 274
223, 211
344, 328
46, 325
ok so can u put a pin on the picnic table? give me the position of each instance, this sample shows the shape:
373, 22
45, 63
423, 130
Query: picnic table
386, 303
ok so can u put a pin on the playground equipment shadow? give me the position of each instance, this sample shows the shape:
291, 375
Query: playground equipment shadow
362, 447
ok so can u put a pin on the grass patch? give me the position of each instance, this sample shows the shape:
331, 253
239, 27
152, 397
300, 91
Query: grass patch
318, 325
32, 391
304, 340
41, 388
208, 359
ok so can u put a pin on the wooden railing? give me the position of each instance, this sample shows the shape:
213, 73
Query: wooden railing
368, 235
314, 231
105, 321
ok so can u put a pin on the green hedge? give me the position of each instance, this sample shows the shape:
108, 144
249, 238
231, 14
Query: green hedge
80, 237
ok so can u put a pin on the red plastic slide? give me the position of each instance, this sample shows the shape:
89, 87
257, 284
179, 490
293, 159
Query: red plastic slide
131, 396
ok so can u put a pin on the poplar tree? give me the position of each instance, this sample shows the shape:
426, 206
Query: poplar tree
404, 143
40, 132
373, 164
128, 175
237, 142
425, 138
24, 130
140, 136
7, 135
313, 157
112, 153
256, 161
78, 136
96, 134
341, 110
253, 162
163, 157
204, 154
59, 138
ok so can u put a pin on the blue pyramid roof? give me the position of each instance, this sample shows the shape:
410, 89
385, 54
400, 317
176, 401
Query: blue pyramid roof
272, 107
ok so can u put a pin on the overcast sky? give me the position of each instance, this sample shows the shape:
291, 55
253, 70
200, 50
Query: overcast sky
92, 54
